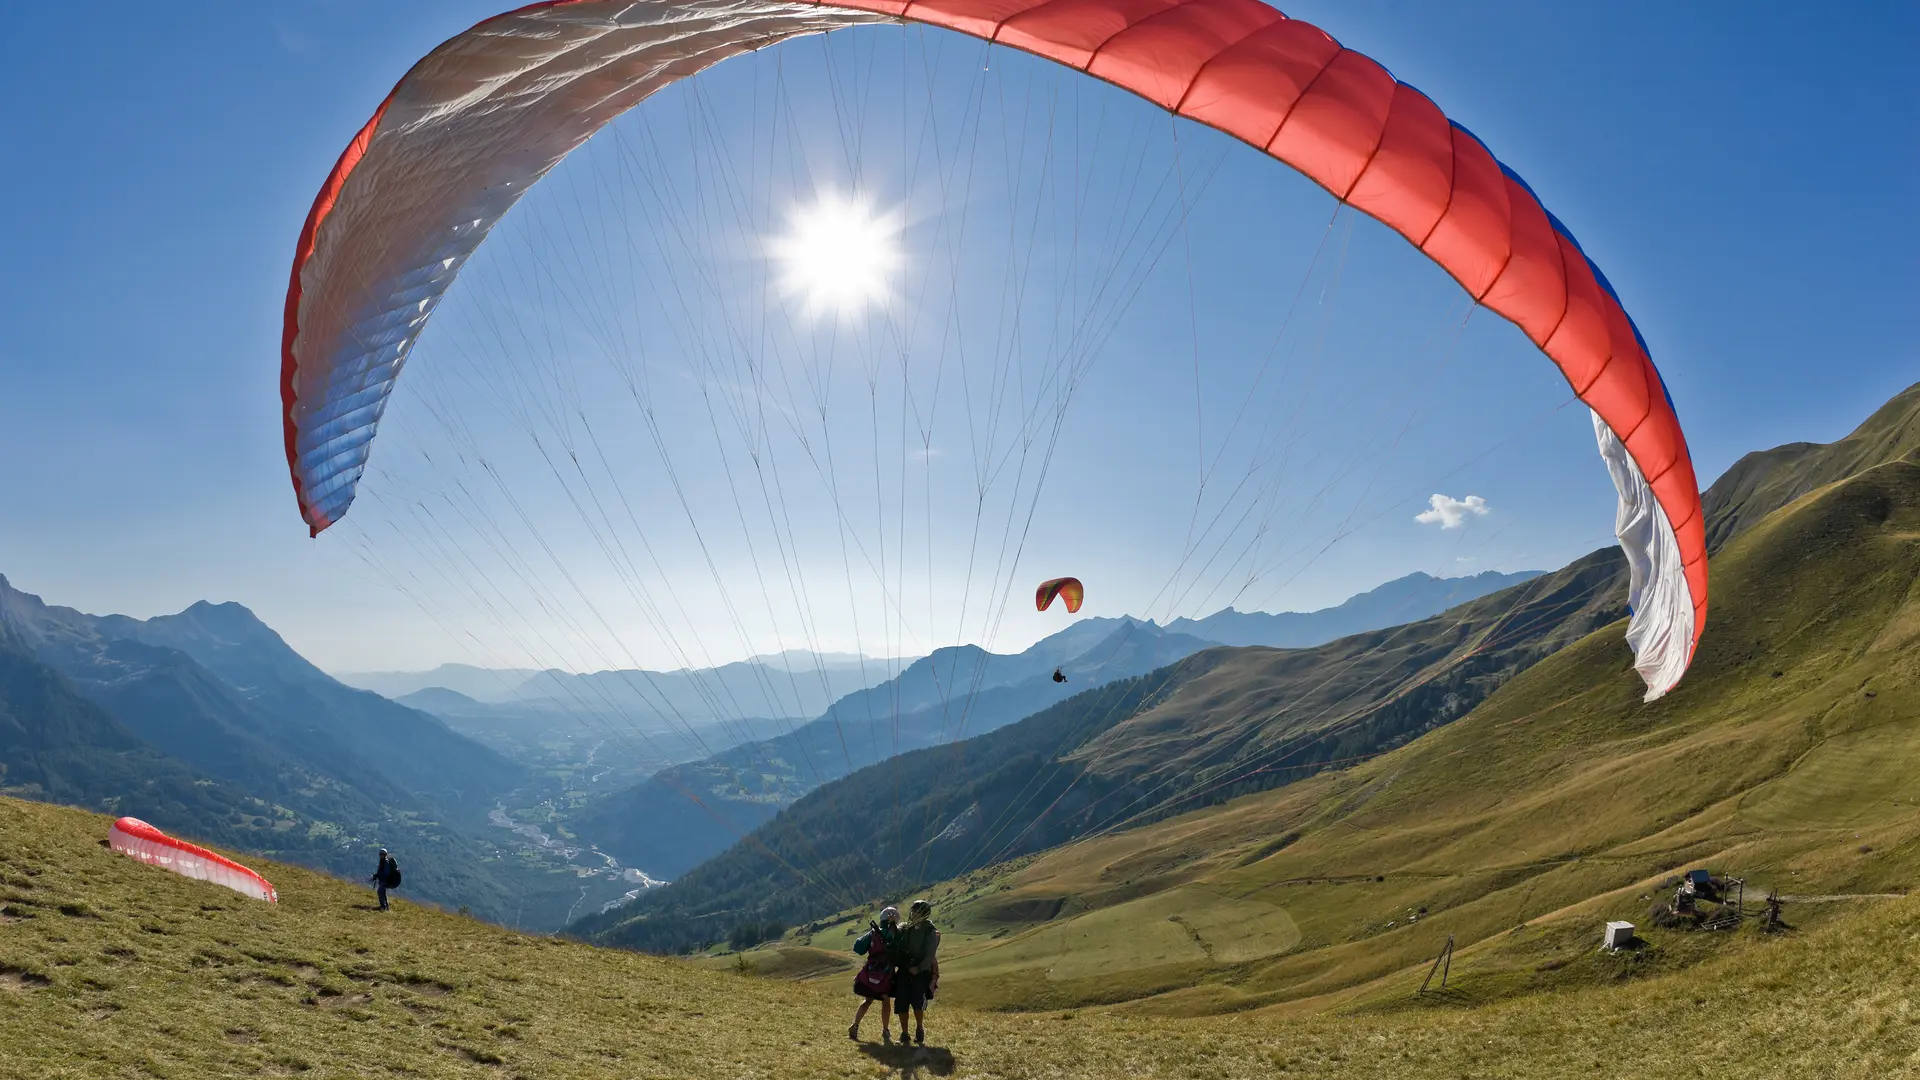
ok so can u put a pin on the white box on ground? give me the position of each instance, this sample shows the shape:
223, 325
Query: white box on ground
1618, 935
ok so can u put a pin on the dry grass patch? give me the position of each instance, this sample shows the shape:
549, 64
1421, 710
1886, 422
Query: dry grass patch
319, 986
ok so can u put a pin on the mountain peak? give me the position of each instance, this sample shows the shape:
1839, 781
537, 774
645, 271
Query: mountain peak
227, 619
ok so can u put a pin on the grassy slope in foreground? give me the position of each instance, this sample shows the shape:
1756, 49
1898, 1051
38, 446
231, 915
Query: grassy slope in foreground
1785, 757
112, 968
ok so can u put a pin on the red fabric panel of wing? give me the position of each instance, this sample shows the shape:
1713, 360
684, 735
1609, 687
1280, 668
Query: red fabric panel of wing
980, 18
1070, 31
1531, 288
1580, 344
1249, 88
1336, 125
1474, 237
1410, 180
1159, 58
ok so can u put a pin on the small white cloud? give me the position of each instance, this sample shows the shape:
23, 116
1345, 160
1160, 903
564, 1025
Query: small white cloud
1451, 513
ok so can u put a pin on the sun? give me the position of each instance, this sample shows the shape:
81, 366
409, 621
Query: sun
838, 255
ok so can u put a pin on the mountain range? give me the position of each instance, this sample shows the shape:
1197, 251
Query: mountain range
942, 698
1781, 766
1403, 600
633, 722
206, 721
793, 684
1127, 750
1488, 848
1264, 826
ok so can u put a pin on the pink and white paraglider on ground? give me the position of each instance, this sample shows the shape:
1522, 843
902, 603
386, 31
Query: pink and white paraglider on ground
135, 838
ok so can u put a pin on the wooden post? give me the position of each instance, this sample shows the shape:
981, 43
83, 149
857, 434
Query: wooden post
1446, 956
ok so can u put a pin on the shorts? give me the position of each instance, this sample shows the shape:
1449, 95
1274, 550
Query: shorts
909, 990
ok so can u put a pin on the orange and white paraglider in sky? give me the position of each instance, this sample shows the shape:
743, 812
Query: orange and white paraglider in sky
1066, 588
484, 116
137, 839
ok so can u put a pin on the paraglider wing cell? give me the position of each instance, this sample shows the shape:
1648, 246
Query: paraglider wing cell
137, 839
487, 113
1066, 588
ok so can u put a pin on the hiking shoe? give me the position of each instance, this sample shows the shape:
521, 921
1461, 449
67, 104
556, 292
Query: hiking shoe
886, 1036
920, 1038
854, 1033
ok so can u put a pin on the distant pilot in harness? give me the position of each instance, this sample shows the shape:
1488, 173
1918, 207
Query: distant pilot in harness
1057, 677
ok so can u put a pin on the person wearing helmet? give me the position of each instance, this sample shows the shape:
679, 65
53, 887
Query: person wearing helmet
917, 954
874, 981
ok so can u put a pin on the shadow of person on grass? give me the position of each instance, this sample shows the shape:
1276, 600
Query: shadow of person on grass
911, 1061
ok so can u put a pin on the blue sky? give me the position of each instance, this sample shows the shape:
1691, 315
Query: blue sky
1744, 174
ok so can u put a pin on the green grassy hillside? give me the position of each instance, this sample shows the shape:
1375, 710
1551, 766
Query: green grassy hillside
1766, 480
109, 968
1219, 723
1784, 758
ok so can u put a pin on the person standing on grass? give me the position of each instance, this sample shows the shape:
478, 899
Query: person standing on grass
385, 876
918, 968
874, 981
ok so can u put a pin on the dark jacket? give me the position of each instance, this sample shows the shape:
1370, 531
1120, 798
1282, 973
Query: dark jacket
383, 871
915, 948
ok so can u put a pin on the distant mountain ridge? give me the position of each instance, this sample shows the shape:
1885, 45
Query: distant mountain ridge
231, 654
57, 745
1403, 600
793, 684
478, 683
950, 695
284, 759
1230, 719
955, 693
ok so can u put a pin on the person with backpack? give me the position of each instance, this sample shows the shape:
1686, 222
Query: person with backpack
917, 970
874, 981
385, 876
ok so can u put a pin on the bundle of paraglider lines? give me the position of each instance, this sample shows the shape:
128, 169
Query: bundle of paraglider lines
480, 120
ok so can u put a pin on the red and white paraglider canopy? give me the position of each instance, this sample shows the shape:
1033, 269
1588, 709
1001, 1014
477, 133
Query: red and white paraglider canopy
137, 839
485, 115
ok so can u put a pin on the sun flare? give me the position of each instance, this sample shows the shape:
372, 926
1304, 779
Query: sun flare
838, 255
